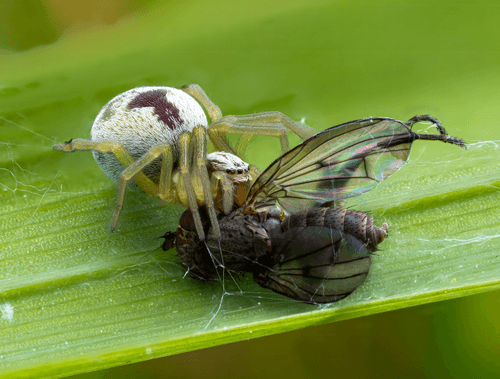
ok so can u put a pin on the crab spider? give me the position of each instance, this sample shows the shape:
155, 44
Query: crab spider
157, 137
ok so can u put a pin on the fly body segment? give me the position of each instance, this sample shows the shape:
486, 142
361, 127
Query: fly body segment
315, 265
320, 255
286, 234
157, 137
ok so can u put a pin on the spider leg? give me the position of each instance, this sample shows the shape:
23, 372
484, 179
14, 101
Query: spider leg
254, 172
167, 166
266, 123
195, 91
200, 167
226, 193
218, 139
145, 183
242, 144
185, 159
302, 130
227, 125
136, 168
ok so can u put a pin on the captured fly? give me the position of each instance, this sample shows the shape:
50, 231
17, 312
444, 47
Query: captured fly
319, 255
304, 249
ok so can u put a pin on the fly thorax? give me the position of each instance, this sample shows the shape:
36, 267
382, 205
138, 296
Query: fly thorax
242, 241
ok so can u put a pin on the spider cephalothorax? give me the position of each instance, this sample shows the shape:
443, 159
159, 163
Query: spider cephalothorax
232, 165
157, 136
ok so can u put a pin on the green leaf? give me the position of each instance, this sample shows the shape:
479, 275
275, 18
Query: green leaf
77, 298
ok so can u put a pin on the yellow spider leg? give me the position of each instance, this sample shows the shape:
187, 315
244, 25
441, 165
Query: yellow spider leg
145, 183
226, 186
185, 158
200, 166
198, 94
228, 125
220, 141
266, 123
303, 131
242, 144
167, 165
254, 172
130, 172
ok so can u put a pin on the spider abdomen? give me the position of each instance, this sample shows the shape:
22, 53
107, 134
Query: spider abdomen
141, 118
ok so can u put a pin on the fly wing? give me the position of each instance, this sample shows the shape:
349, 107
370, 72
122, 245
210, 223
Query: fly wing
315, 265
340, 162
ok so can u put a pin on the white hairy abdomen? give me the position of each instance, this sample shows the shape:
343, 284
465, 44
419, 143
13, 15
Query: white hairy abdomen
141, 118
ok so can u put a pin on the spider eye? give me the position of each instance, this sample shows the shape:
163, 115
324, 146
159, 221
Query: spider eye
240, 171
233, 171
228, 171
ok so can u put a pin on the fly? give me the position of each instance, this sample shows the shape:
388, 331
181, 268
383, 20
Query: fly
287, 234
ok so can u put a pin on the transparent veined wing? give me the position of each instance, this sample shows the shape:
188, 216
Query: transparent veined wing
340, 162
315, 265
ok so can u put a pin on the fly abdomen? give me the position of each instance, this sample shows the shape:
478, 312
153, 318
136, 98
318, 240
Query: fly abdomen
357, 224
315, 264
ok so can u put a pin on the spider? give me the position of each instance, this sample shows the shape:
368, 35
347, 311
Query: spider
157, 137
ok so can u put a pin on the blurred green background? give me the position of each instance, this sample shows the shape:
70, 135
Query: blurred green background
327, 62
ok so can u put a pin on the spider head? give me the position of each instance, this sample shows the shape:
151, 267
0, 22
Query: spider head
236, 169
